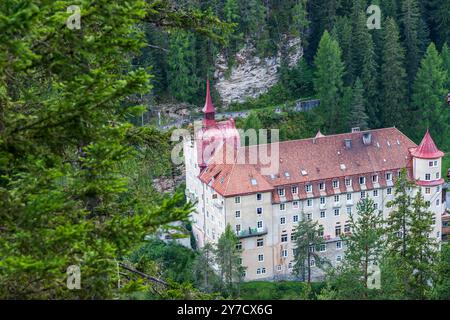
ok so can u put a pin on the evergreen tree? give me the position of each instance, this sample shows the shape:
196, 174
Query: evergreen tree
422, 247
410, 24
300, 22
328, 84
228, 259
307, 242
393, 79
445, 56
342, 32
440, 20
358, 116
429, 98
203, 268
65, 97
181, 66
441, 288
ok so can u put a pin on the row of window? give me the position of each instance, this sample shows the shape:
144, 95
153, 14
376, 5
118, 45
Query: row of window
335, 183
428, 176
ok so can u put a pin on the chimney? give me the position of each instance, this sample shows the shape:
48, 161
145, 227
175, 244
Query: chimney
348, 143
367, 138
356, 129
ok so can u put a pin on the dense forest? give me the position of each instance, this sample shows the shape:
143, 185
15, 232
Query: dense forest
77, 168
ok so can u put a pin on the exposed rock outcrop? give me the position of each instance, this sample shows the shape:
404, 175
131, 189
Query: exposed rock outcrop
252, 76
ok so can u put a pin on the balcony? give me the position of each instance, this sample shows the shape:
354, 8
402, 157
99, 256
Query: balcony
252, 232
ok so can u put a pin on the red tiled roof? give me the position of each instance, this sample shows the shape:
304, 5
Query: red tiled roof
427, 149
321, 158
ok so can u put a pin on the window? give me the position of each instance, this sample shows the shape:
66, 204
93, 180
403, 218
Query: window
253, 182
294, 190
309, 216
282, 206
320, 232
363, 194
263, 270
347, 228
258, 196
312, 262
238, 228
337, 212
281, 192
309, 188
259, 242
259, 210
362, 180
239, 246
284, 253
323, 247
427, 190
430, 163
295, 218
237, 199
309, 202
335, 184
321, 186
427, 203
375, 206
238, 214
311, 249
295, 204
279, 267
293, 235
388, 176
339, 245
284, 237
322, 214
348, 182
375, 193
389, 191
349, 196
338, 259
437, 175
322, 200
259, 224
438, 188
437, 202
260, 257
336, 198
290, 265
282, 220
427, 176
349, 210
337, 231
375, 178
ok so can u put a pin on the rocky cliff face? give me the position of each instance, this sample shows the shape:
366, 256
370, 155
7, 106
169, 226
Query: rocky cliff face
252, 76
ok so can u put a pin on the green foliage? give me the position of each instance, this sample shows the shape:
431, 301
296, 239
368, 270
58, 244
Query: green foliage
306, 242
279, 290
328, 83
429, 98
358, 116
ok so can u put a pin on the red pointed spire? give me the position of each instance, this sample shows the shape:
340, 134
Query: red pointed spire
209, 106
427, 149
208, 109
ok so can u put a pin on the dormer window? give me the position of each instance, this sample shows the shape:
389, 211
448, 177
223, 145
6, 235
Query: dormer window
335, 184
309, 188
362, 180
321, 186
375, 178
253, 182
281, 192
388, 176
348, 182
294, 190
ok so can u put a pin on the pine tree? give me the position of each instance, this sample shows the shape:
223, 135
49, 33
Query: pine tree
300, 22
393, 79
307, 242
440, 20
204, 268
429, 97
441, 288
410, 24
342, 32
328, 83
229, 262
445, 56
181, 66
422, 247
358, 116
